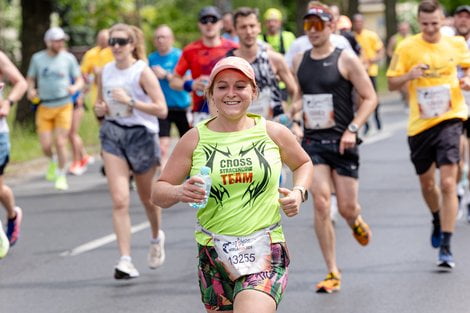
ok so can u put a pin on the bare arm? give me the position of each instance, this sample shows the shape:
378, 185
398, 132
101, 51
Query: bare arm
171, 187
20, 85
152, 87
295, 157
351, 68
176, 82
391, 45
397, 82
9, 70
285, 74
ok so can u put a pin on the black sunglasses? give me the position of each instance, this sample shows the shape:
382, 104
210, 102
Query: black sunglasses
119, 41
208, 19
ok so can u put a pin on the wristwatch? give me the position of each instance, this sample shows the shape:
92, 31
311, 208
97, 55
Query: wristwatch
303, 192
131, 103
353, 128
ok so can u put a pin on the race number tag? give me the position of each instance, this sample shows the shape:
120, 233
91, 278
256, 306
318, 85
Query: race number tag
116, 108
434, 101
319, 111
262, 105
244, 255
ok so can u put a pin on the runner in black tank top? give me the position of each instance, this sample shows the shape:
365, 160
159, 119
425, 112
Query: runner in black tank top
329, 82
326, 77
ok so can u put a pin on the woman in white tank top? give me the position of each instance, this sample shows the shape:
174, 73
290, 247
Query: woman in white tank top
129, 101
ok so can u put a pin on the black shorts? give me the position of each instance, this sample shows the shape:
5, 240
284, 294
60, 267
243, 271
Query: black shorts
327, 152
439, 144
174, 116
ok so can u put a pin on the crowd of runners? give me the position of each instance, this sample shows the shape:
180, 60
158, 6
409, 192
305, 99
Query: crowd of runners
250, 105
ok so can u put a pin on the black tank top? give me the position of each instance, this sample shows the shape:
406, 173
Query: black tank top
323, 77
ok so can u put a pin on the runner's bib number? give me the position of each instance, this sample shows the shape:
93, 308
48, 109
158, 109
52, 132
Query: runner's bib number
434, 101
319, 111
116, 108
262, 105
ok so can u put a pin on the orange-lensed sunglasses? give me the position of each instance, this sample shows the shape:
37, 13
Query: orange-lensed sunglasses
314, 22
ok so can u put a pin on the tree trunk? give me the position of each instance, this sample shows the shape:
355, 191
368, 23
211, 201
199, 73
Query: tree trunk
301, 11
35, 16
390, 19
353, 8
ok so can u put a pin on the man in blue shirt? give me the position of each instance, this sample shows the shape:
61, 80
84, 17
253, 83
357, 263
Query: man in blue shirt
162, 62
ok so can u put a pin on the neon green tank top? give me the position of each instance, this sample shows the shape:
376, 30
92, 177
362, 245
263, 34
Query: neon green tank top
246, 166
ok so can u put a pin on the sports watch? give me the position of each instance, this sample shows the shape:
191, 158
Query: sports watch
303, 192
353, 128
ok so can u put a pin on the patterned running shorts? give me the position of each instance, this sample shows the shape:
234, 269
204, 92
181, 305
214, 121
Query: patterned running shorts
218, 291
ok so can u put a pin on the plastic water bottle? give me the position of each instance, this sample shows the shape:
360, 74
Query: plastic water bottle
204, 173
200, 93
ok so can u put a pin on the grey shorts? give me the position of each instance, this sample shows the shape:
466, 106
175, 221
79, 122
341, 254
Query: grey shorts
135, 144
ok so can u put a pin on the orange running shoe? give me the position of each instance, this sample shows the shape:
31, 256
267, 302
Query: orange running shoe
361, 231
330, 284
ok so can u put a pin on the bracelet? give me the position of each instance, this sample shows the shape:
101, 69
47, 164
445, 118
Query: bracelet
188, 85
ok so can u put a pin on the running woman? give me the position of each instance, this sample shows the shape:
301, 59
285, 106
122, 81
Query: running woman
129, 102
245, 153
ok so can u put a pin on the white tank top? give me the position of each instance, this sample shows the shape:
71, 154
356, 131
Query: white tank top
128, 79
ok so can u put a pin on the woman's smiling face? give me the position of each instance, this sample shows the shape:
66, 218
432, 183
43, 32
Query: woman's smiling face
232, 93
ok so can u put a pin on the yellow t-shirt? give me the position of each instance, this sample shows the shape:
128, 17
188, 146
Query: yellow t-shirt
95, 59
370, 46
436, 96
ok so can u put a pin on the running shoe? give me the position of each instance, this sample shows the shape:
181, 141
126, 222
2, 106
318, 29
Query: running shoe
156, 255
4, 243
361, 231
436, 234
87, 160
125, 270
331, 283
51, 173
76, 169
61, 183
445, 258
14, 226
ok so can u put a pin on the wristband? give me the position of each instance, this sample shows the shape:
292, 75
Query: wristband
188, 85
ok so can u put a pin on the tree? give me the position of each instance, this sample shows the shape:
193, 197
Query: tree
35, 16
390, 18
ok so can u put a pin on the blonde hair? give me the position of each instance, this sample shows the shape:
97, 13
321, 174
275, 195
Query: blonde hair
136, 36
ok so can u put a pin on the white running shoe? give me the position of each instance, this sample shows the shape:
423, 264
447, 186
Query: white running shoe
4, 243
156, 255
125, 270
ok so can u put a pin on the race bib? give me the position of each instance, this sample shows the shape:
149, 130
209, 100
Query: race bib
244, 255
319, 111
116, 108
433, 101
261, 105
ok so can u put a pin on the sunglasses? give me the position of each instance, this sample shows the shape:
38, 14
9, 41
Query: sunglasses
119, 41
316, 23
208, 19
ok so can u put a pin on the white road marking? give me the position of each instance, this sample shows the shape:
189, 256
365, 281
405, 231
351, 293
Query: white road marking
95, 244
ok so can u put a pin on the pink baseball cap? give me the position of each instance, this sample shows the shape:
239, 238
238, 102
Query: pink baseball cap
234, 63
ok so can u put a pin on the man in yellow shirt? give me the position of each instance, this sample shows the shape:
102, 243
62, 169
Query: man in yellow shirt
372, 52
94, 60
428, 63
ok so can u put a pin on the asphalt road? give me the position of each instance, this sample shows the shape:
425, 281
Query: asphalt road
64, 259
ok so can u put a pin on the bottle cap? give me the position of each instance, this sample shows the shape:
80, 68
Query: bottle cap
205, 170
